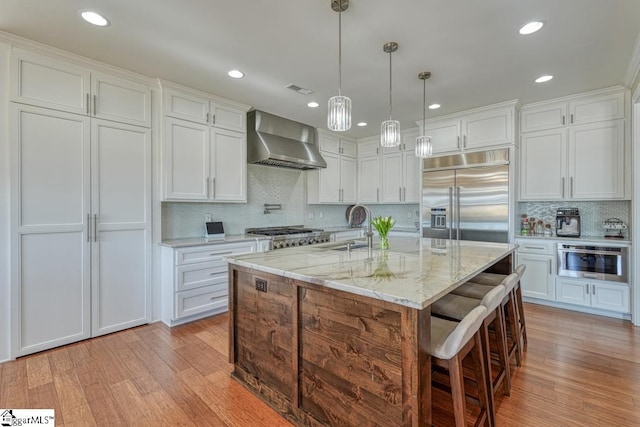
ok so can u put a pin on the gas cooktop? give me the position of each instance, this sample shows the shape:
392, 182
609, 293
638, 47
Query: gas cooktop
293, 235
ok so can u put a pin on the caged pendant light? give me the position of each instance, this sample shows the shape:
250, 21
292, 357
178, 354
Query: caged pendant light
424, 148
339, 117
390, 129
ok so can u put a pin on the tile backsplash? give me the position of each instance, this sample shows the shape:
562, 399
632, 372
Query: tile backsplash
268, 185
591, 214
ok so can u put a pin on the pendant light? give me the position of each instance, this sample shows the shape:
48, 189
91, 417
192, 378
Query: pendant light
339, 117
390, 129
424, 148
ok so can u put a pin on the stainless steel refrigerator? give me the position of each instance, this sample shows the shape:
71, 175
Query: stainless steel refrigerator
466, 196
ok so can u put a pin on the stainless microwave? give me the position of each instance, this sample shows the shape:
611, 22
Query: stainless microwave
593, 262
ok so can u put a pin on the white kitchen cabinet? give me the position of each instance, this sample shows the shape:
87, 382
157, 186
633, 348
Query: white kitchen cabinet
401, 171
81, 227
539, 258
340, 236
486, 127
204, 163
205, 109
46, 82
589, 108
369, 170
195, 280
337, 183
602, 295
543, 165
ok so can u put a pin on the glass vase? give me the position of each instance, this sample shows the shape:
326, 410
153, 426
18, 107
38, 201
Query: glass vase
383, 242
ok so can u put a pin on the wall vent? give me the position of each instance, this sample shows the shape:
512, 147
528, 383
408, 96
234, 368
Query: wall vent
299, 89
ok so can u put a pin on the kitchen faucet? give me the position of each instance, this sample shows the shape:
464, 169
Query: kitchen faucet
368, 234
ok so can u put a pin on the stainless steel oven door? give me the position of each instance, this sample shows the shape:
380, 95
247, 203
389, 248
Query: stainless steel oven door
593, 262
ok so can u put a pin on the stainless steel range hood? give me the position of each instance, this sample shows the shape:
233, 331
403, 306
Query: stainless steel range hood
275, 141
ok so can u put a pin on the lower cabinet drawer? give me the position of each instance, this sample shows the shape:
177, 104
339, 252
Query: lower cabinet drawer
199, 300
201, 274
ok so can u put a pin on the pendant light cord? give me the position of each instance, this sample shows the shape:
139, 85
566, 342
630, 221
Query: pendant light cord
390, 80
424, 106
340, 47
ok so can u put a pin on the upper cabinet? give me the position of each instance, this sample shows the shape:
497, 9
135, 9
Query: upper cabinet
46, 82
574, 149
369, 170
205, 148
473, 130
401, 171
203, 109
335, 184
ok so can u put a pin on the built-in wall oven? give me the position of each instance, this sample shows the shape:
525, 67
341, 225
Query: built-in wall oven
592, 262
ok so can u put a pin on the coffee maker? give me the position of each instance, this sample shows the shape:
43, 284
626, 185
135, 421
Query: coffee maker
568, 222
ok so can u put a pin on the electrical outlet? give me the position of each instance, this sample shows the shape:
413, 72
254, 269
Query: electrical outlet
208, 217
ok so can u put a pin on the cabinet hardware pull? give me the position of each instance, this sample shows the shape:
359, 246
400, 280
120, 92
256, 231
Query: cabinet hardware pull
572, 119
88, 227
87, 104
563, 121
214, 187
220, 253
212, 298
400, 193
549, 261
458, 142
458, 213
535, 247
404, 194
571, 187
451, 210
377, 151
95, 227
207, 184
464, 141
213, 119
563, 187
593, 289
207, 118
587, 286
95, 104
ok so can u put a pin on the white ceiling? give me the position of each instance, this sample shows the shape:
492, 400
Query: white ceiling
472, 48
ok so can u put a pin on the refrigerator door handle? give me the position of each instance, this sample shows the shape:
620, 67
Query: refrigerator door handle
451, 216
458, 212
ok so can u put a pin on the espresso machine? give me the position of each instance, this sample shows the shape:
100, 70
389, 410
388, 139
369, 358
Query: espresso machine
568, 222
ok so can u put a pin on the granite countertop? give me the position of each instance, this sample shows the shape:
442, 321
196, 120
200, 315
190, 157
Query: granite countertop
413, 272
598, 239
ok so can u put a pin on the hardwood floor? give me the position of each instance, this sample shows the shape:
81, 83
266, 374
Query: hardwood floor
578, 370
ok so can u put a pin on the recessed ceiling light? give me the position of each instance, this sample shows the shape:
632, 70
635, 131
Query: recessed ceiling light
236, 74
361, 124
543, 79
94, 18
434, 106
531, 27
312, 104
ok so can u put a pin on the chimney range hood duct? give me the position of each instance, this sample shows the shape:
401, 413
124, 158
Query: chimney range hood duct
275, 141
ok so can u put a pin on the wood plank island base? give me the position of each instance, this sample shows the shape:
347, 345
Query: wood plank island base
328, 336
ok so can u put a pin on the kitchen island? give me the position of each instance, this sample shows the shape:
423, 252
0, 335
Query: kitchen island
329, 335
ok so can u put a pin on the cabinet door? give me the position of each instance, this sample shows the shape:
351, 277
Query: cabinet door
328, 142
42, 81
597, 108
543, 117
348, 179
228, 166
50, 157
596, 161
186, 160
228, 118
539, 279
121, 219
409, 140
573, 291
445, 135
186, 106
348, 148
329, 190
392, 181
120, 100
487, 128
543, 165
369, 147
411, 177
369, 179
609, 296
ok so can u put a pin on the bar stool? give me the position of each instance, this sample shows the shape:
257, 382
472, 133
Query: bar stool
450, 343
514, 309
494, 278
455, 307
